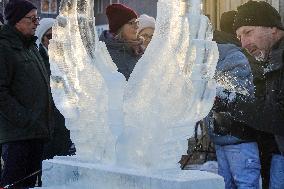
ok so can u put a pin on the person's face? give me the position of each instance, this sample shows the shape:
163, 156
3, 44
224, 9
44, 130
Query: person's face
147, 34
46, 37
129, 30
257, 40
28, 24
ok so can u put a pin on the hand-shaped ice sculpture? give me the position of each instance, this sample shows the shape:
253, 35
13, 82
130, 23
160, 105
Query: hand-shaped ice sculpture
143, 123
95, 89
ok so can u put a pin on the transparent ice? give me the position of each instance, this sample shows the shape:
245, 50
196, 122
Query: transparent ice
143, 123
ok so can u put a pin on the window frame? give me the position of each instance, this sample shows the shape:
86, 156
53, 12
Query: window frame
49, 11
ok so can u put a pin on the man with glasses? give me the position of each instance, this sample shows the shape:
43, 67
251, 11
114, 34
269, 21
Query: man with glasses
25, 97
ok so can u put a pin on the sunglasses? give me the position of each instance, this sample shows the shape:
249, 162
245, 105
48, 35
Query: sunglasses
33, 19
48, 36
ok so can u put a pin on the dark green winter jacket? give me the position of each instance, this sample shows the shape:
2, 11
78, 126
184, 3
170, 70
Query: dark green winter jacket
25, 97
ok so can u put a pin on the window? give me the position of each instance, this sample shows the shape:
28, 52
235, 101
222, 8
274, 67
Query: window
113, 1
49, 6
100, 7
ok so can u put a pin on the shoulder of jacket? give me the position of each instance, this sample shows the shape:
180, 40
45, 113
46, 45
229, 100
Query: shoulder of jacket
5, 42
228, 49
9, 44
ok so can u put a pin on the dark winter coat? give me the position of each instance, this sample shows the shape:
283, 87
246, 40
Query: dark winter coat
121, 53
25, 96
60, 143
45, 58
274, 97
266, 112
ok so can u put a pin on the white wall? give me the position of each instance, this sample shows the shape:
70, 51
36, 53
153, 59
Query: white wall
281, 10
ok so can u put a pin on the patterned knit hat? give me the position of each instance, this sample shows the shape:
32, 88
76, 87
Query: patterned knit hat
15, 10
118, 15
255, 13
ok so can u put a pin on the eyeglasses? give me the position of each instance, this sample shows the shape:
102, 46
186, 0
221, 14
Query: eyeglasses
33, 19
133, 23
48, 36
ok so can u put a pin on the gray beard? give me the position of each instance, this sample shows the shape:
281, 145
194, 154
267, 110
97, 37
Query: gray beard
261, 57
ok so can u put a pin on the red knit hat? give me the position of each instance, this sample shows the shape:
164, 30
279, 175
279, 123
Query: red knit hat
118, 15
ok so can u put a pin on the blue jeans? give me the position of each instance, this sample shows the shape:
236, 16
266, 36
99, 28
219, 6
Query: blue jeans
277, 172
239, 164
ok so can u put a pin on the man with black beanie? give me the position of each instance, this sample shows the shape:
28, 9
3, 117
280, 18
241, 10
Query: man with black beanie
259, 28
264, 139
25, 97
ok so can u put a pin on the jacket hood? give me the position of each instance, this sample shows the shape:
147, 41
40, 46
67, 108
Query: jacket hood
225, 38
225, 49
44, 25
232, 62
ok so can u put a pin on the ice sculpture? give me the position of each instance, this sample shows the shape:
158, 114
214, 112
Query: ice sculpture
167, 94
143, 123
95, 89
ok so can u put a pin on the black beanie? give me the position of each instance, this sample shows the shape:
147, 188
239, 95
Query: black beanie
15, 10
227, 21
255, 13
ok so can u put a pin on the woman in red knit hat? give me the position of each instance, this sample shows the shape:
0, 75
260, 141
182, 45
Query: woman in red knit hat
121, 39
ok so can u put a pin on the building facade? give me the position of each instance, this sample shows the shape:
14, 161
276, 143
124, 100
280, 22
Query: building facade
281, 10
46, 8
146, 6
215, 8
141, 7
212, 8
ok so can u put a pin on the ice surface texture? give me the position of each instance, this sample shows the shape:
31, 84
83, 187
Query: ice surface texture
94, 89
144, 123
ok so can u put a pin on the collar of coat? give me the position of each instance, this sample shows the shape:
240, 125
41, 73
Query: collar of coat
222, 37
16, 38
133, 48
276, 57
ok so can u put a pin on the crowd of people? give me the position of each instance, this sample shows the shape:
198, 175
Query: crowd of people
246, 123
